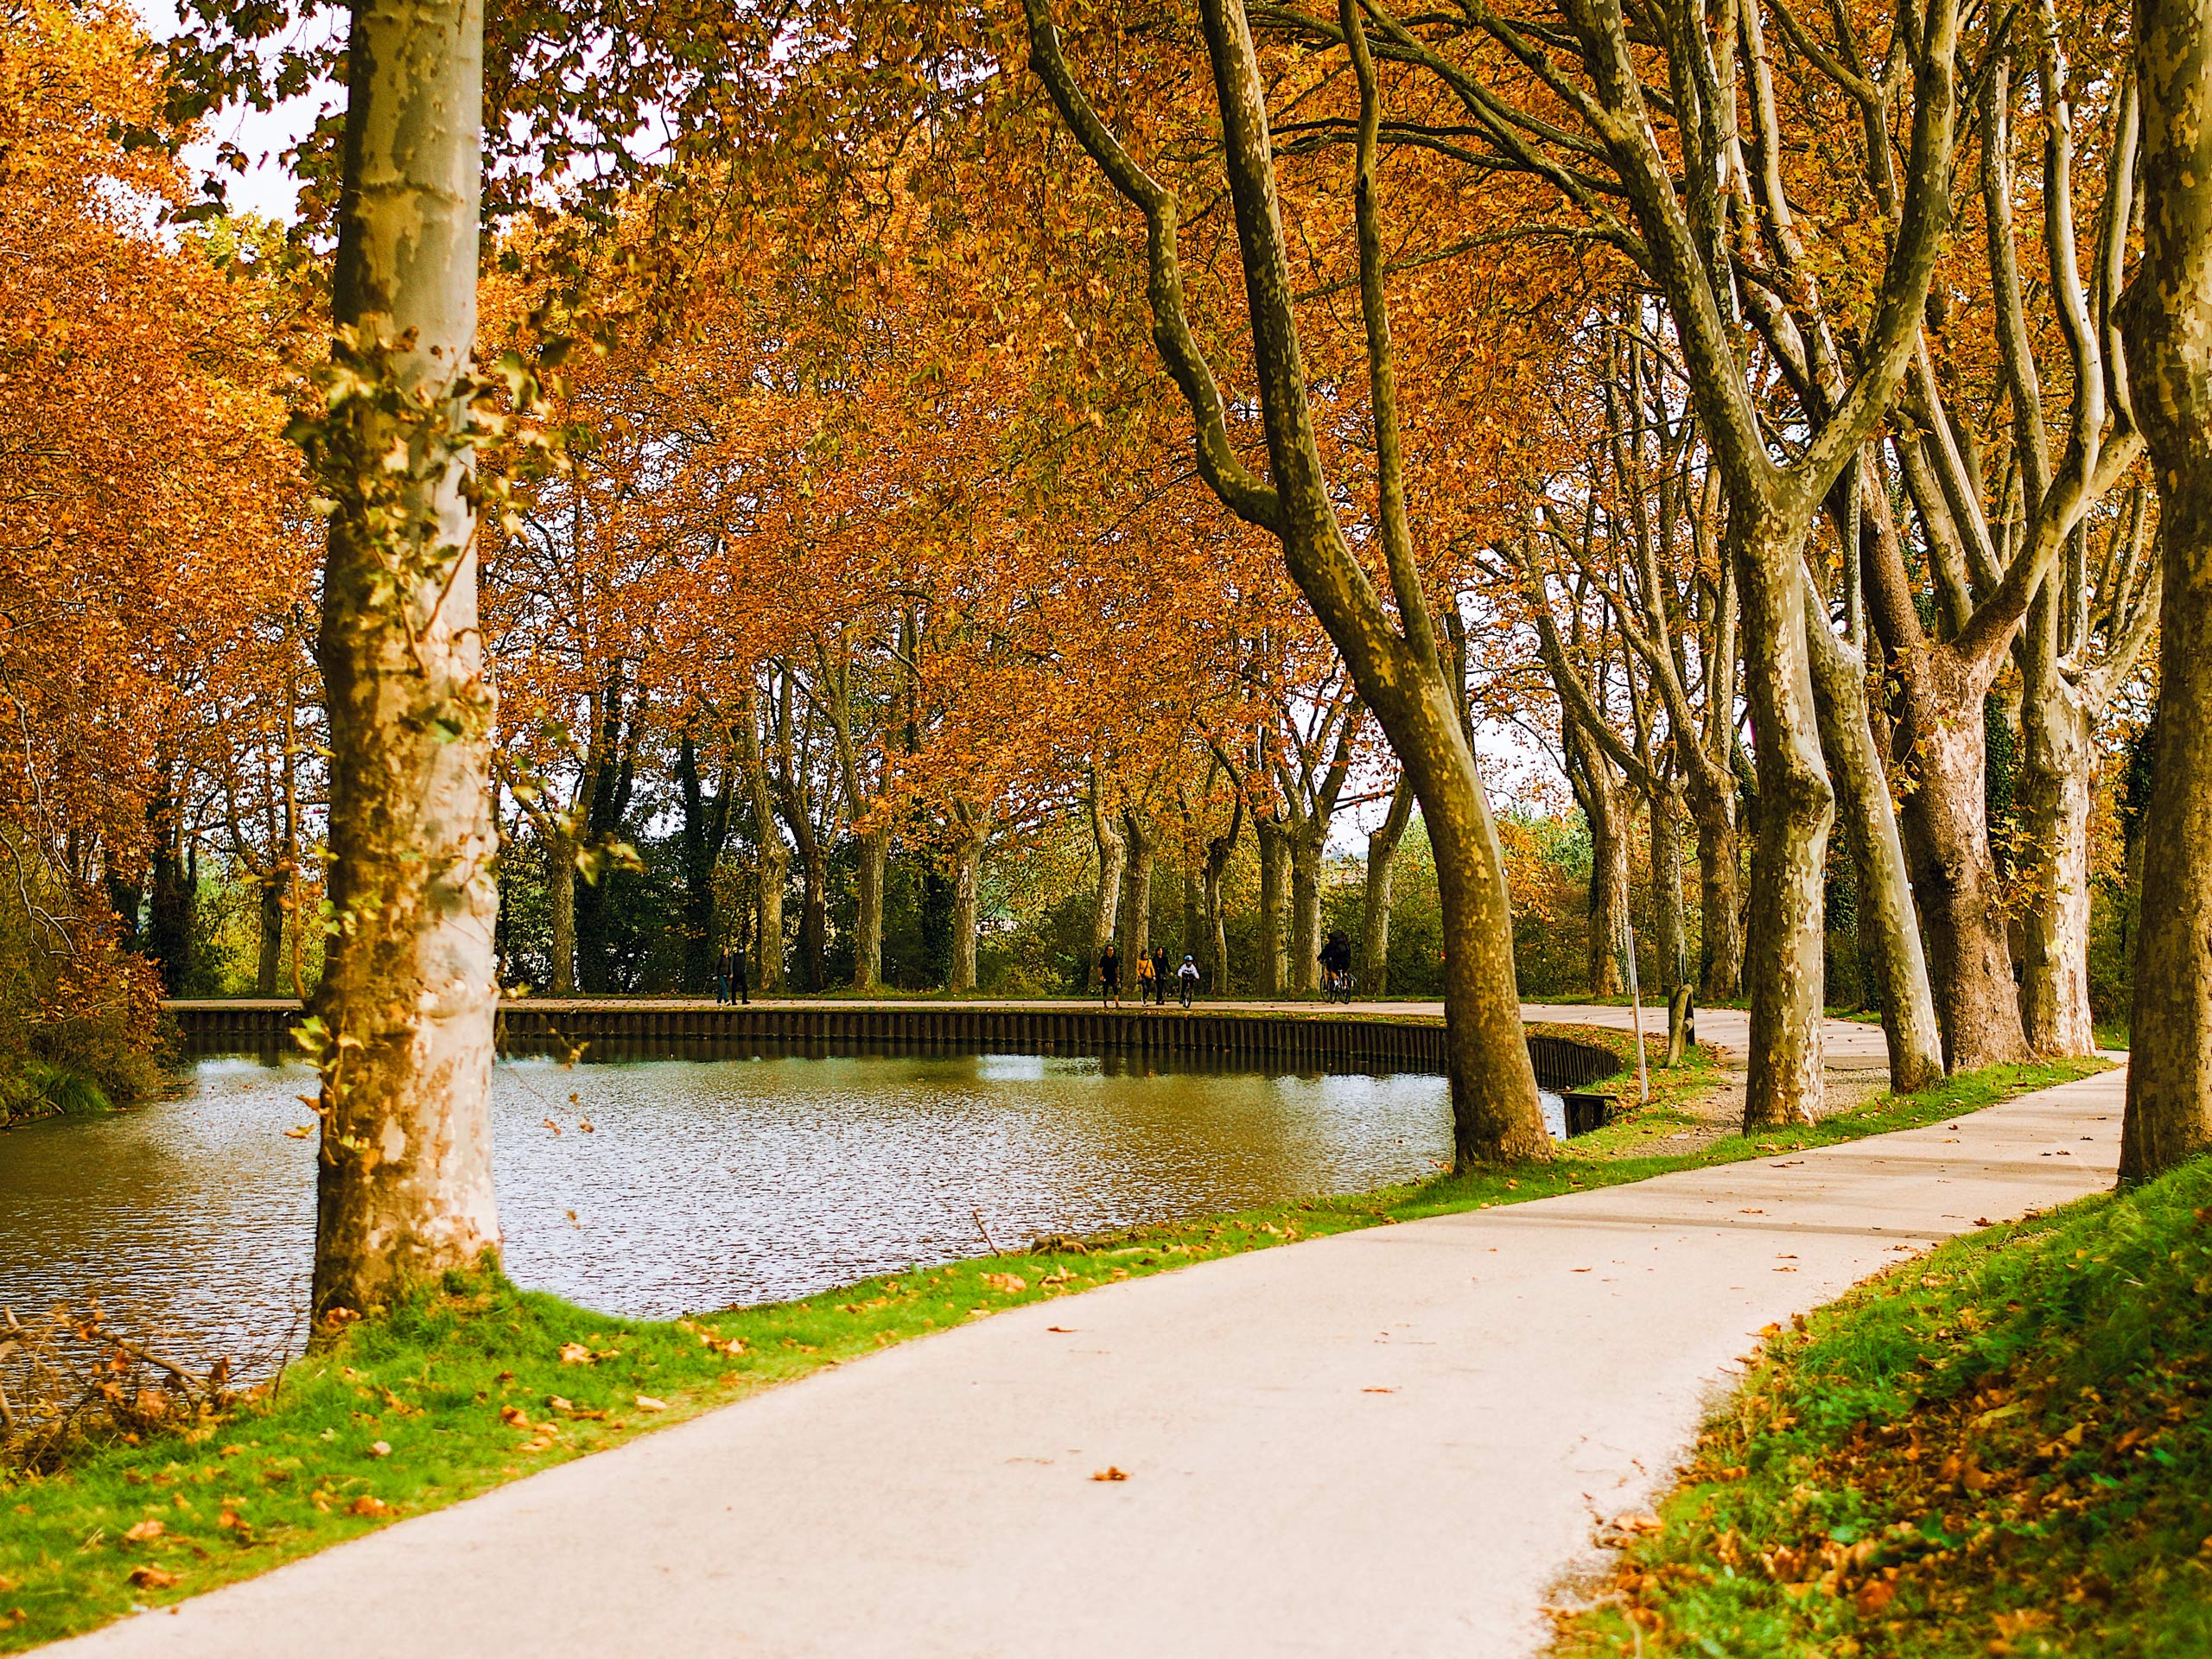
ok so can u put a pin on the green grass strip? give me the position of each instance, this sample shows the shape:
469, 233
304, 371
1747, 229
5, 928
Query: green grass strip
478, 1382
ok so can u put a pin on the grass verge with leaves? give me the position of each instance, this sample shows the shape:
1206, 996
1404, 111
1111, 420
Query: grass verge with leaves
2001, 1447
479, 1382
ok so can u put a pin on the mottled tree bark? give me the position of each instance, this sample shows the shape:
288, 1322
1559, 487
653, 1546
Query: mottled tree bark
561, 904
1720, 907
1946, 825
1669, 935
814, 916
1304, 912
1113, 858
1598, 790
1219, 850
2051, 794
967, 892
1889, 925
1142, 839
2167, 315
404, 1188
772, 859
269, 965
872, 858
703, 832
1392, 656
1382, 844
1270, 980
1784, 962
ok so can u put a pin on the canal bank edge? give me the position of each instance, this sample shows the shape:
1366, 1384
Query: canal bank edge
638, 1028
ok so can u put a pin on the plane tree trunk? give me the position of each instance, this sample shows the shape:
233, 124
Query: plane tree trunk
1382, 844
2167, 315
1392, 656
404, 1181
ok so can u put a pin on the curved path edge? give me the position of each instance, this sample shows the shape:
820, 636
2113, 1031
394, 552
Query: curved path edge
1388, 1442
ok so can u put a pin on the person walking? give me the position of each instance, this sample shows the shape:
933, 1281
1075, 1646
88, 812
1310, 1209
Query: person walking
1187, 977
1146, 978
722, 974
1110, 976
737, 967
1160, 975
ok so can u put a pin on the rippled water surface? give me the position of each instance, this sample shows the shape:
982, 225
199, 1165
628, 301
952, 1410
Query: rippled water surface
701, 1184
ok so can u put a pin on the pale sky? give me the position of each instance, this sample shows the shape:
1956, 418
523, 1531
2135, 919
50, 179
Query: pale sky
268, 189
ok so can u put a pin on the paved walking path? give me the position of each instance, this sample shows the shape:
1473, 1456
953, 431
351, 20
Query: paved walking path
1391, 1442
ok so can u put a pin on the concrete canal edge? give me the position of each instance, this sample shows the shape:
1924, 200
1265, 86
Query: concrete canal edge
637, 1029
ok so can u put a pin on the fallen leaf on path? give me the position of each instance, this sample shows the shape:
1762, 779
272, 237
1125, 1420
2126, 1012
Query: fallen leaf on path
1379, 1390
300, 1133
1061, 1330
551, 1125
1109, 1472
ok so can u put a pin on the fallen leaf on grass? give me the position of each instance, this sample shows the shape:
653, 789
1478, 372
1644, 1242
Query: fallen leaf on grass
647, 1403
232, 1521
575, 1353
380, 1448
1874, 1595
1007, 1284
144, 1533
515, 1415
1109, 1472
149, 1577
369, 1505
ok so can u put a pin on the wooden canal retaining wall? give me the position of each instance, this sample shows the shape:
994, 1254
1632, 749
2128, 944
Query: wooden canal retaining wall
1229, 1040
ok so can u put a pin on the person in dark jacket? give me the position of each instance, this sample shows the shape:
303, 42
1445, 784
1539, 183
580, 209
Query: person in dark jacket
722, 975
1110, 976
737, 971
1160, 975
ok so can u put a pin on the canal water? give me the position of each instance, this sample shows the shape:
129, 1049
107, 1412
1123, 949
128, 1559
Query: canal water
699, 1184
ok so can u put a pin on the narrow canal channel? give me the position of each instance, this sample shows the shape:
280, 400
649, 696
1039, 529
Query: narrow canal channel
698, 1183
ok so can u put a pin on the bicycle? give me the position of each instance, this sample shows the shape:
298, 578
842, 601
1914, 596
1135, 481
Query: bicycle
1336, 985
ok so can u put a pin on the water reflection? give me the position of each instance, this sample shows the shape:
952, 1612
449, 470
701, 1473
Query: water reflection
700, 1182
